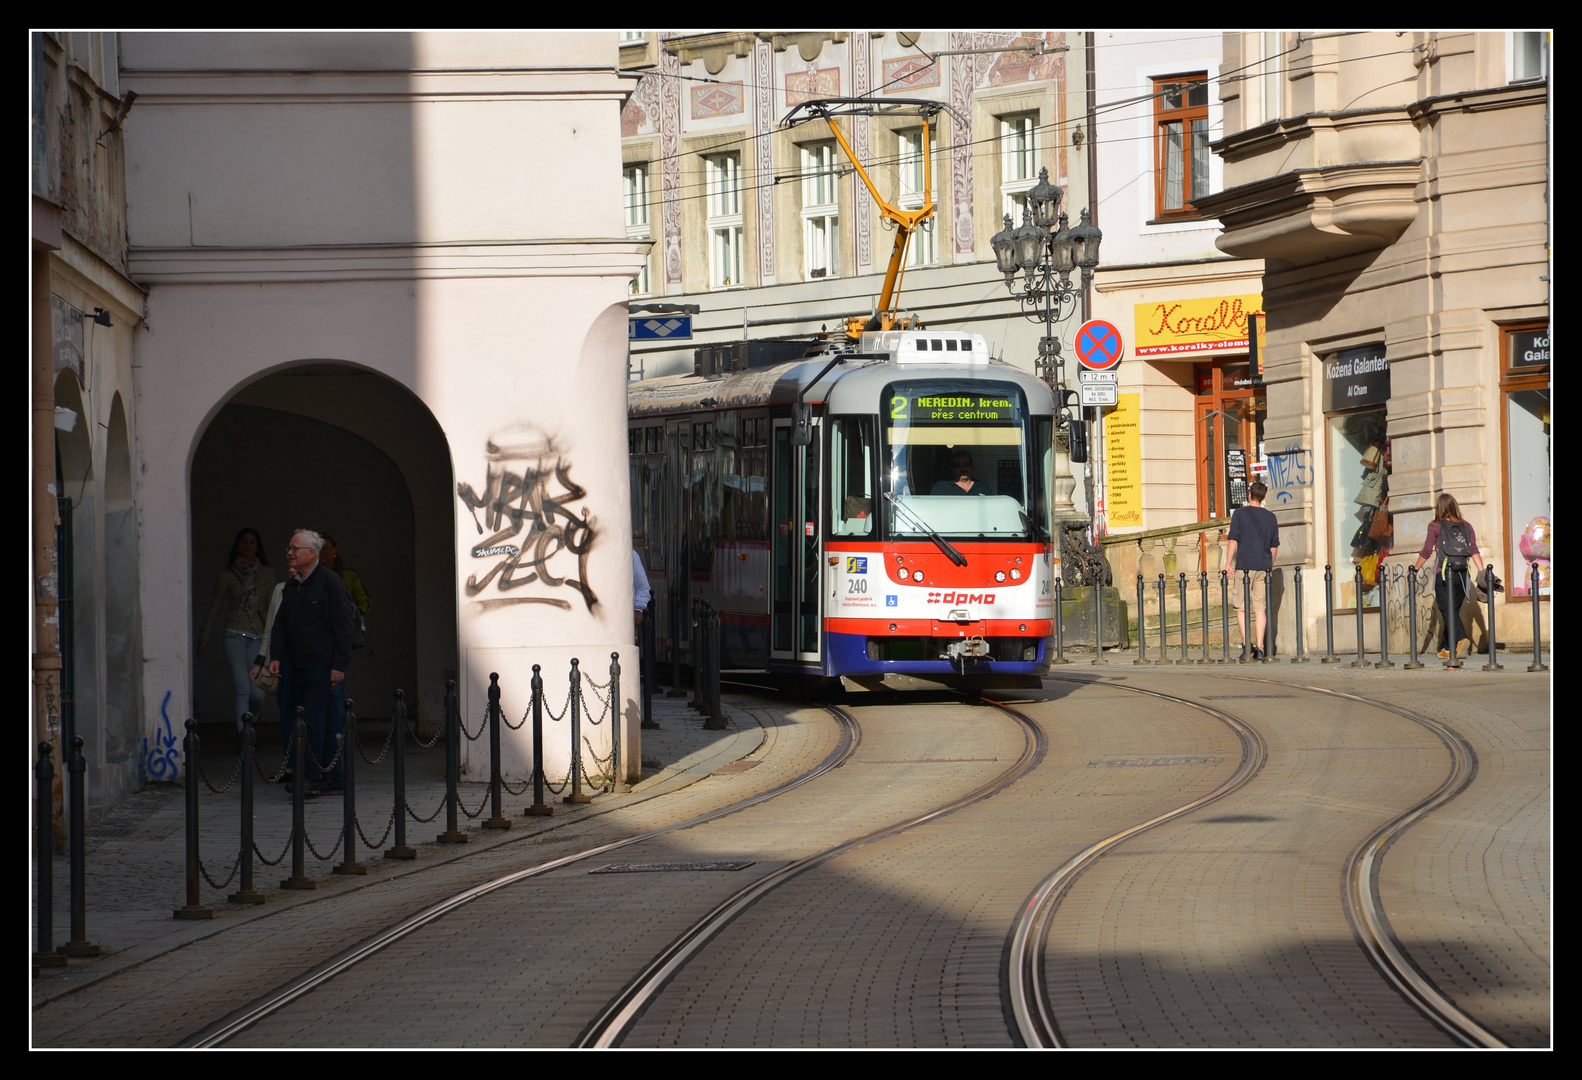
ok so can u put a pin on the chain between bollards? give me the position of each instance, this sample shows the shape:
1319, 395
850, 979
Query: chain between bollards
452, 833
349, 864
245, 893
497, 820
44, 954
193, 909
398, 721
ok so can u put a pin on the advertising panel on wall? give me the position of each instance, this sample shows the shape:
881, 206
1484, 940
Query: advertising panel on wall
1180, 327
1123, 460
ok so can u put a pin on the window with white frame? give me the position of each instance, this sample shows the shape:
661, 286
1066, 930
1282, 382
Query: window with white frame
924, 250
635, 178
1529, 55
633, 35
723, 187
820, 212
1018, 161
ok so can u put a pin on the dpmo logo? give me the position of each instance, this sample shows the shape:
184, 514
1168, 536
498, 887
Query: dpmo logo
960, 598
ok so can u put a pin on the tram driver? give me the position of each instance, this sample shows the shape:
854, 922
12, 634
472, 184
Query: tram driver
960, 481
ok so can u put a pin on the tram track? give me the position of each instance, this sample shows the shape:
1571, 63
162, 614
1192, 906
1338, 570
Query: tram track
607, 1029
1030, 1014
232, 1025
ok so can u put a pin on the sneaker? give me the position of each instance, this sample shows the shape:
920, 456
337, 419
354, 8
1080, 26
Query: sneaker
1463, 647
1258, 654
1444, 654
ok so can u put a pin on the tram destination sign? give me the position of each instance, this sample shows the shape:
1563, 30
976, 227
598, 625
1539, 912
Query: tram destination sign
953, 408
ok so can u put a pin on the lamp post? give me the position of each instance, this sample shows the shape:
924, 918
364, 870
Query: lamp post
1046, 249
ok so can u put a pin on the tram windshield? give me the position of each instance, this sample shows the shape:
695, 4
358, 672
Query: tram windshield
957, 461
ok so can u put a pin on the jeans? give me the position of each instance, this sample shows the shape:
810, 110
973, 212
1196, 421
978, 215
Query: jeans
240, 649
311, 690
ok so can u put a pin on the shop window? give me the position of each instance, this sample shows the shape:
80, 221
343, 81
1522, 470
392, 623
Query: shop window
1528, 464
1181, 158
1359, 488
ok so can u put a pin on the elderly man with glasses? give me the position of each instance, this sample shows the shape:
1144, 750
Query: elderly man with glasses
313, 629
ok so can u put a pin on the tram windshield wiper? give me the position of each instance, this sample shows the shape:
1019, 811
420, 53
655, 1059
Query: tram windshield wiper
922, 526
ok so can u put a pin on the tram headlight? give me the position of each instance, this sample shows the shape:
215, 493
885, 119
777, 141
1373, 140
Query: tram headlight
999, 575
1015, 574
903, 573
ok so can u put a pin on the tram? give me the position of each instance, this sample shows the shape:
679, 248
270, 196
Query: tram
874, 510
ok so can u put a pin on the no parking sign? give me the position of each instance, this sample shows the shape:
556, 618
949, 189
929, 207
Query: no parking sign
1099, 345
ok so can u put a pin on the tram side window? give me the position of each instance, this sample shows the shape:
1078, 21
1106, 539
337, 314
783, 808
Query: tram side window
852, 475
752, 514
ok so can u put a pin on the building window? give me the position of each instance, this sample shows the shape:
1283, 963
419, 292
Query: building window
1528, 461
1180, 144
820, 212
1529, 55
635, 178
1018, 161
724, 197
633, 35
924, 248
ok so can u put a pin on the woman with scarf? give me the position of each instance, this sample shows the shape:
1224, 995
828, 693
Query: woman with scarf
241, 595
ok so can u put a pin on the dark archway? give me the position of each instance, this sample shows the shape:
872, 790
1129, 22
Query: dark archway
339, 449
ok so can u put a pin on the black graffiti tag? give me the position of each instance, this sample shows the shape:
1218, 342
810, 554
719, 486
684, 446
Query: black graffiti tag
527, 525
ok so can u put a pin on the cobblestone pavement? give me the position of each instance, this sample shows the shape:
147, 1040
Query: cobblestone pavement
1222, 928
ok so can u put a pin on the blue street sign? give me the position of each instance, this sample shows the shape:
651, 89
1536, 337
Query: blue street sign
653, 327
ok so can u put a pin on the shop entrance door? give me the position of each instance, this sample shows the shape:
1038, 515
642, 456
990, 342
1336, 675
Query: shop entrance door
1229, 414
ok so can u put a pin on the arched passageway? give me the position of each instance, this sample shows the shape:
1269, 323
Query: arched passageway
344, 450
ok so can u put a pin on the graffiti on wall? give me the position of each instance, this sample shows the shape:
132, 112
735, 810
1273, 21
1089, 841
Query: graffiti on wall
528, 526
162, 761
1289, 471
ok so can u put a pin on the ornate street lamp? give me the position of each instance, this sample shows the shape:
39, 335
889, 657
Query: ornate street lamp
1047, 249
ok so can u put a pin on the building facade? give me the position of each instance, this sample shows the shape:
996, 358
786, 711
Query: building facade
381, 286
1397, 189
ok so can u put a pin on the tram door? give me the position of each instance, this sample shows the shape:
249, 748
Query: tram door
795, 624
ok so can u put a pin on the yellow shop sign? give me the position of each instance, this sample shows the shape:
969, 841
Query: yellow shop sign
1172, 327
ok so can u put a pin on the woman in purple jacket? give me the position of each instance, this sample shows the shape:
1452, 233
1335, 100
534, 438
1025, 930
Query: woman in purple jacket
1451, 583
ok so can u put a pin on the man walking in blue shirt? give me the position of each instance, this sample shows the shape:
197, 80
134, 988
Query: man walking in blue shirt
1254, 542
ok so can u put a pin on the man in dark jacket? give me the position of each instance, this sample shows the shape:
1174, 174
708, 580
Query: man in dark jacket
314, 630
1254, 543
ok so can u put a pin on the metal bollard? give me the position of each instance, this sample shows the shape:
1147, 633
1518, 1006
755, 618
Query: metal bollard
44, 781
496, 820
1538, 648
349, 863
193, 909
1142, 624
616, 784
576, 795
1494, 660
452, 834
1411, 617
646, 669
1384, 626
1060, 625
1164, 624
539, 808
299, 830
398, 722
1248, 622
1181, 596
675, 647
1098, 622
1224, 615
1356, 603
1203, 614
79, 945
245, 893
716, 720
1301, 656
1268, 617
1329, 617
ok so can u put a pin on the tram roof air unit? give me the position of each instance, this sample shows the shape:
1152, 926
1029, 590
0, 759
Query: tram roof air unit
928, 346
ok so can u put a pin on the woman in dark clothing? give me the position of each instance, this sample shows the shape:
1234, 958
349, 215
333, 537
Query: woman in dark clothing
1451, 583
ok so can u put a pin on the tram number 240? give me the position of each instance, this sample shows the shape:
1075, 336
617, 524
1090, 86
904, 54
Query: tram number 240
856, 585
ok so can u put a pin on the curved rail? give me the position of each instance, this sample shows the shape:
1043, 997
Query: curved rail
242, 1019
626, 1007
1031, 1019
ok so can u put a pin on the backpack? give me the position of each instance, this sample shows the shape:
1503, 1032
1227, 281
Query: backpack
1455, 547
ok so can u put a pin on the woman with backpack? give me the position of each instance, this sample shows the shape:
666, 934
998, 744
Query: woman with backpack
1451, 543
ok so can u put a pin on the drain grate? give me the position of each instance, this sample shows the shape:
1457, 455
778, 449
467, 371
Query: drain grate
1118, 763
669, 867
